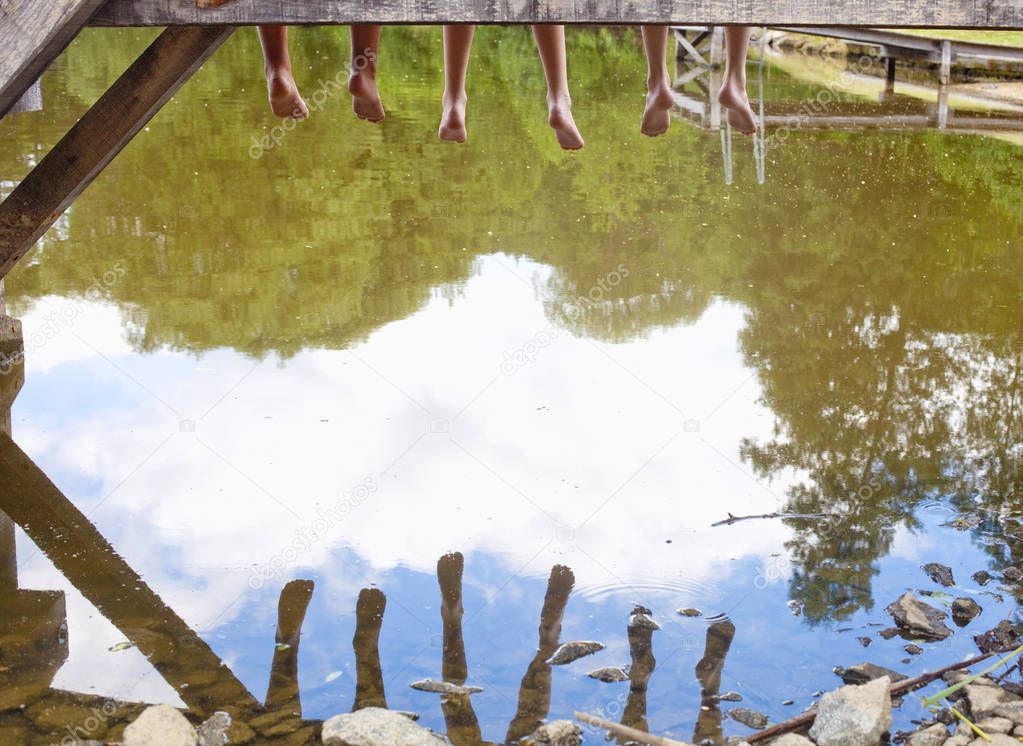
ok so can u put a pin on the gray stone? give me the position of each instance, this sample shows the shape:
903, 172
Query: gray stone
996, 739
914, 616
750, 718
984, 699
982, 577
556, 733
160, 725
444, 687
213, 731
941, 574
995, 724
934, 735
854, 715
965, 610
375, 726
609, 675
573, 651
791, 739
1011, 710
861, 673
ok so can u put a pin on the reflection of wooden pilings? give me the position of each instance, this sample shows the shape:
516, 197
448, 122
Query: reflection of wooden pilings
889, 76
708, 673
535, 689
717, 74
945, 73
282, 692
463, 727
369, 678
643, 663
87, 560
100, 134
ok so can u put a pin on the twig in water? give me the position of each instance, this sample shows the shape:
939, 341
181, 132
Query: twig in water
623, 730
806, 718
736, 518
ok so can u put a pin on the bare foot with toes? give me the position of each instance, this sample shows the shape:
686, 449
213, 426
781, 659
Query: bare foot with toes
740, 115
285, 100
452, 121
560, 119
365, 97
657, 114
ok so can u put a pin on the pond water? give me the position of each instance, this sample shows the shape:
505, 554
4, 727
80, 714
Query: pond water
345, 357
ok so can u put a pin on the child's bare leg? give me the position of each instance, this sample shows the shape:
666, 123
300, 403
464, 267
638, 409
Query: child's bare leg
285, 100
659, 99
550, 40
362, 83
457, 43
733, 89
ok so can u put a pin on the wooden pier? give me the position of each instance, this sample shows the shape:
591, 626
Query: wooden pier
34, 32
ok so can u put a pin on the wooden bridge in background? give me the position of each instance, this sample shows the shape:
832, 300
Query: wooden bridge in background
34, 32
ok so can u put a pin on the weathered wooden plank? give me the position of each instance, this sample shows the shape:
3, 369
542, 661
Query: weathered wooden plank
895, 13
32, 34
101, 134
87, 560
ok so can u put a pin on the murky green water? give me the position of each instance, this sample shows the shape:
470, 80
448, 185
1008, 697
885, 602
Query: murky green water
345, 358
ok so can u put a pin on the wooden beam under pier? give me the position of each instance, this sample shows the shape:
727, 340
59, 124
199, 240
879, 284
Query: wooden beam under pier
32, 35
101, 134
999, 14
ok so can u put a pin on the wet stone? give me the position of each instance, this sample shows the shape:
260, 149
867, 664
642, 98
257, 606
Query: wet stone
861, 673
750, 718
941, 574
556, 733
690, 612
573, 651
854, 715
1012, 574
1003, 637
609, 675
160, 725
933, 735
444, 687
375, 726
213, 731
641, 619
864, 641
729, 697
982, 577
917, 618
964, 611
913, 649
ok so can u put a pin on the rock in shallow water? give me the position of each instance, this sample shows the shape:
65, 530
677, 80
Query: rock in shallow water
609, 675
573, 651
213, 731
375, 726
1003, 637
941, 574
160, 725
750, 718
934, 735
444, 687
914, 616
965, 610
556, 733
854, 715
861, 673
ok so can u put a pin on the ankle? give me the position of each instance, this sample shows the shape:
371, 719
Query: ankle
560, 102
656, 83
454, 99
277, 72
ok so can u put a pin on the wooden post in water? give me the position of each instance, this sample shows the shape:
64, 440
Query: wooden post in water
946, 62
889, 76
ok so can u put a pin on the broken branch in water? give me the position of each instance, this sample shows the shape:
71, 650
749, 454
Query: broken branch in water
801, 721
623, 730
736, 518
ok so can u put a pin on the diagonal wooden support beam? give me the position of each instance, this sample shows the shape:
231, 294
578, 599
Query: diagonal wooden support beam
100, 135
32, 34
86, 559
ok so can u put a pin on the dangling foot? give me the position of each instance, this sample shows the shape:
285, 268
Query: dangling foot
559, 117
740, 115
657, 114
285, 100
365, 97
452, 121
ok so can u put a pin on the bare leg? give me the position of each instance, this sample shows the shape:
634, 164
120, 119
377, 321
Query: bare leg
457, 43
362, 83
285, 100
659, 99
733, 89
550, 40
